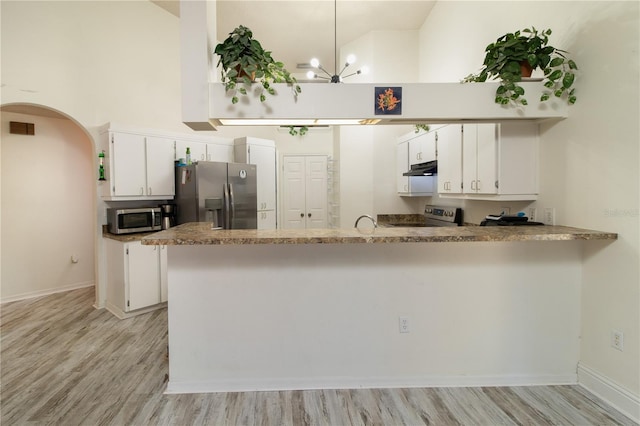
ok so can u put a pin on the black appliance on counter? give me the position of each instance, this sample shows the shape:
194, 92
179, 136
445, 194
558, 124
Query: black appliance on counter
168, 212
508, 220
442, 216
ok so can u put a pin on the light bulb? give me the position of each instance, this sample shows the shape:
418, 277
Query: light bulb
311, 75
364, 70
315, 62
351, 59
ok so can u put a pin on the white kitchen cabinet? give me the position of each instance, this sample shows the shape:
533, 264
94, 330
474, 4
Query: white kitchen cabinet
267, 219
491, 161
210, 149
159, 167
410, 186
450, 159
136, 277
198, 150
262, 153
422, 148
220, 152
138, 167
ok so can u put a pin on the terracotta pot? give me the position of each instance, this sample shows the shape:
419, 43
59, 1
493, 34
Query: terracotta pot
525, 69
242, 73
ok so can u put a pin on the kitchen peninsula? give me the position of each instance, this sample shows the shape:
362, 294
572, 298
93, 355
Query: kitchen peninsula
308, 309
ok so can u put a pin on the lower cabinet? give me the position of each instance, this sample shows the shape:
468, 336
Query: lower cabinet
136, 277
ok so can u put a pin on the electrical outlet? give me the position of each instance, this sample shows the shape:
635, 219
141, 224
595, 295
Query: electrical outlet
505, 210
549, 216
617, 340
532, 214
404, 324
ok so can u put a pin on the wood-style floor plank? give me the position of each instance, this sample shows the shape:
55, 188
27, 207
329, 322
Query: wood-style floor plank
65, 363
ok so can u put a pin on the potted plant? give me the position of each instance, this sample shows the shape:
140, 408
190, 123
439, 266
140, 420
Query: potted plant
244, 61
514, 55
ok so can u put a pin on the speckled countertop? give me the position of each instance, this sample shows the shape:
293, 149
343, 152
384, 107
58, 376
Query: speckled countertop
202, 234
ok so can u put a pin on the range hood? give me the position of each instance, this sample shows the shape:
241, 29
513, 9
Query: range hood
355, 104
429, 168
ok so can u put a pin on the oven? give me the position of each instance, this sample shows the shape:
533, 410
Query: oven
442, 216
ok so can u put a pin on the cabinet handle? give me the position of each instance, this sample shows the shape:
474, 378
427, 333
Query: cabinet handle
141, 190
477, 185
473, 187
301, 214
150, 191
309, 215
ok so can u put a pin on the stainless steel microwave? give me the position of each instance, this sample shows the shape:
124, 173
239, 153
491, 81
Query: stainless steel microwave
129, 221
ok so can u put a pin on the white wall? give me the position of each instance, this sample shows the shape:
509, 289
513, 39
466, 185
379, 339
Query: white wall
47, 208
368, 155
589, 162
94, 61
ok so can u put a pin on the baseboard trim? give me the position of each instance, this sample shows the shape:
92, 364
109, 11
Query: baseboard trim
618, 397
47, 292
120, 314
314, 383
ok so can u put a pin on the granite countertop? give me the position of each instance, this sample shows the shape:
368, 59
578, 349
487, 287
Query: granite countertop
202, 234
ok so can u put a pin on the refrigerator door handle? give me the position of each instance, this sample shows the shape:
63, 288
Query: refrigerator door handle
232, 205
227, 209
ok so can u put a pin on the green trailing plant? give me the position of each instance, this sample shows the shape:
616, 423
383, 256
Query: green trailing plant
419, 127
298, 130
528, 48
244, 61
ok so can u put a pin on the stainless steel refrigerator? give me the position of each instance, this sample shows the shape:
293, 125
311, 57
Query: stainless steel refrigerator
224, 194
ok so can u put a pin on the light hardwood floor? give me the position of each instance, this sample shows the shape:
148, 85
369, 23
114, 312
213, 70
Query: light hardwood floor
65, 363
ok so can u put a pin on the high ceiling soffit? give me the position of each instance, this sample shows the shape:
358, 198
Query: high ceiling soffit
295, 31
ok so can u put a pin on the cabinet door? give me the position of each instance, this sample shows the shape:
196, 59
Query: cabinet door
415, 151
264, 157
128, 172
402, 165
487, 162
220, 152
198, 150
450, 159
143, 271
422, 148
160, 167
267, 219
469, 158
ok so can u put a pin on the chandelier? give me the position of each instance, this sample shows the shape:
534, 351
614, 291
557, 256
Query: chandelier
336, 77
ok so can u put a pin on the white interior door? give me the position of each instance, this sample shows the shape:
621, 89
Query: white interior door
316, 191
293, 192
304, 191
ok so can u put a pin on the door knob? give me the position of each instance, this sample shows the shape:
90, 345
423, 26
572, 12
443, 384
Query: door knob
309, 215
301, 214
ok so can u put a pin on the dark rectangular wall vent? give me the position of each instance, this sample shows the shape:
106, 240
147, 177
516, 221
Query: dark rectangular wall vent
18, 128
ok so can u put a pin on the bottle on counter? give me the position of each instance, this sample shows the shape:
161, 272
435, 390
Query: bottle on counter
188, 156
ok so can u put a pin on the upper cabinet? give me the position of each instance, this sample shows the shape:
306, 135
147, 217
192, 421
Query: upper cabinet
139, 164
422, 148
215, 149
488, 161
415, 148
138, 167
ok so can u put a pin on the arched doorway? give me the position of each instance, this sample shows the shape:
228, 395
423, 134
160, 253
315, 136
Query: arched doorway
48, 204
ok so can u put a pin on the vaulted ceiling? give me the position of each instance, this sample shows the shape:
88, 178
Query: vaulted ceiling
295, 31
